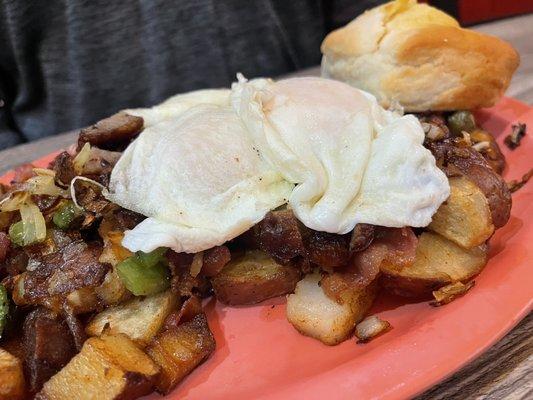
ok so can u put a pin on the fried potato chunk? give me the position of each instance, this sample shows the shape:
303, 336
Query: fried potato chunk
140, 319
465, 217
109, 367
316, 315
252, 278
11, 377
438, 263
180, 350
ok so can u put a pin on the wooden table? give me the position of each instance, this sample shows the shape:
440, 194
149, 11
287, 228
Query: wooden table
506, 370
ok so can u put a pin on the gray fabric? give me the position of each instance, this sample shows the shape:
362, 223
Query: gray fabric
67, 63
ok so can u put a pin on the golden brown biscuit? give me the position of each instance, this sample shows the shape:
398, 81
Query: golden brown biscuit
420, 57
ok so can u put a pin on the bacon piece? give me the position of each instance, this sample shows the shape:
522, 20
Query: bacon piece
182, 282
362, 236
214, 260
190, 308
396, 245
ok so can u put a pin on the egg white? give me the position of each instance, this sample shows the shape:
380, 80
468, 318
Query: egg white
198, 179
210, 164
351, 160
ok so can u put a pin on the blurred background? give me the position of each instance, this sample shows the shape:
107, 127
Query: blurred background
66, 64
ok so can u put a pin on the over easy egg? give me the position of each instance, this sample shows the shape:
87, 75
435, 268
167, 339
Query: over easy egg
210, 164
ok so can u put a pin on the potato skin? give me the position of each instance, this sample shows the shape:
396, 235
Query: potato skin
179, 350
462, 160
252, 278
438, 263
410, 287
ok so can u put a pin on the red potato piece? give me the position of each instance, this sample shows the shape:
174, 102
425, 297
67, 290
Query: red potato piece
465, 217
180, 350
464, 160
107, 368
438, 263
140, 318
252, 278
315, 314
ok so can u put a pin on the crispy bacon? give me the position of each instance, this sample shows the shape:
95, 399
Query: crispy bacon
214, 260
362, 236
127, 219
190, 308
182, 282
396, 245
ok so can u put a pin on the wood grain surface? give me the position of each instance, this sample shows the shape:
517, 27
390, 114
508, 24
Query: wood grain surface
506, 370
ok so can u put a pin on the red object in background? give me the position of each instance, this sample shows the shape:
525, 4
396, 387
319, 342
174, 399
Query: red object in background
470, 12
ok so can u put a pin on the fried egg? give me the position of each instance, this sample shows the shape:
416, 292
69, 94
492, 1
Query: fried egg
351, 161
198, 179
210, 164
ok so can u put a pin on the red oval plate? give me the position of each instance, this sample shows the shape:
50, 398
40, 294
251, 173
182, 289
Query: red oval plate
259, 355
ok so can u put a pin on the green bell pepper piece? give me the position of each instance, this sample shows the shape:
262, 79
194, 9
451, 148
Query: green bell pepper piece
67, 213
145, 274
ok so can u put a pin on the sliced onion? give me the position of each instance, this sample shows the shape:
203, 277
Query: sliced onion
33, 223
44, 172
73, 189
196, 265
450, 292
13, 201
480, 146
371, 327
81, 158
43, 183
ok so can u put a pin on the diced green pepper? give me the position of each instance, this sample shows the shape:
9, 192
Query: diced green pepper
461, 121
16, 233
145, 273
67, 213
152, 258
4, 308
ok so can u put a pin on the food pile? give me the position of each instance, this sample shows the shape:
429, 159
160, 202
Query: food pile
80, 314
